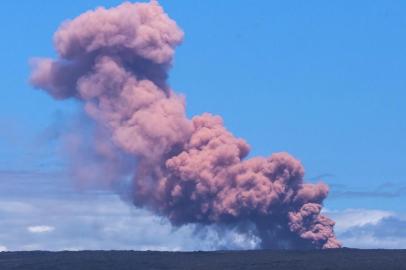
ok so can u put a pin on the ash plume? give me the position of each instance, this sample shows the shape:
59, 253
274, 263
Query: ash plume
192, 171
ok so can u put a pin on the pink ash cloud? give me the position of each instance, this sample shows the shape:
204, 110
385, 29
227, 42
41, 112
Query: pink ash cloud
115, 63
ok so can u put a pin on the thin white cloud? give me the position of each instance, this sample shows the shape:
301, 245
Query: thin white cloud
40, 229
369, 241
370, 228
101, 220
3, 248
387, 233
15, 207
348, 218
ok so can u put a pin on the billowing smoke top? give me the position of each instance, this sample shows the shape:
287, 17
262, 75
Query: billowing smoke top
115, 62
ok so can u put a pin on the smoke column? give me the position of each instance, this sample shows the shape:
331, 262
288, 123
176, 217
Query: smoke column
193, 171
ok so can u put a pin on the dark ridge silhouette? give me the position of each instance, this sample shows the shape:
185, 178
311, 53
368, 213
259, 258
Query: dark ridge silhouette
332, 259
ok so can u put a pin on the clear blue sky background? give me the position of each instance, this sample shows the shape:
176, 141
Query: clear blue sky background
323, 80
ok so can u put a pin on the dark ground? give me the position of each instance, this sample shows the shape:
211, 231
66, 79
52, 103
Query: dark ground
347, 259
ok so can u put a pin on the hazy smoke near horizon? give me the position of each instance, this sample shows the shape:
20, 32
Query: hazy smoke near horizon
192, 171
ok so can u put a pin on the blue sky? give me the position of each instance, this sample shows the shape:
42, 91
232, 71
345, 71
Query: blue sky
323, 80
